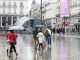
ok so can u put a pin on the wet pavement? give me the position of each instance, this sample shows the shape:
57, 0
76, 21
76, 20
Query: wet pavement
63, 48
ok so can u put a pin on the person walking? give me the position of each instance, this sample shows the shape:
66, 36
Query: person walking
41, 39
47, 34
12, 40
35, 32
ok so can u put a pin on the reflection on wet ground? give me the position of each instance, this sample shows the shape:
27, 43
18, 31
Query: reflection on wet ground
62, 48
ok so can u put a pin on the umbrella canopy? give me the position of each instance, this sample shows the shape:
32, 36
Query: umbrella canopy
16, 28
40, 26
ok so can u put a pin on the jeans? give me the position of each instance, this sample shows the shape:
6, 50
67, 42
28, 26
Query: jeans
48, 40
40, 45
12, 47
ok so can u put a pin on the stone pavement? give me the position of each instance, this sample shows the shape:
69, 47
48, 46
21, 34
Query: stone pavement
62, 48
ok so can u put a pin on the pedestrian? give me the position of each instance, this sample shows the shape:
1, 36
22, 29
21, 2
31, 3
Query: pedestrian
35, 32
12, 40
53, 30
47, 34
41, 39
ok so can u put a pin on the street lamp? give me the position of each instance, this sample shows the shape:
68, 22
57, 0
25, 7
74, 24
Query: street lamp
41, 9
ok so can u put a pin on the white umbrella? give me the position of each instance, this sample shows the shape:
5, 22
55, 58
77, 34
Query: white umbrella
16, 28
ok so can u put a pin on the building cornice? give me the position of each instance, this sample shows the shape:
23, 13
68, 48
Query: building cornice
11, 15
13, 0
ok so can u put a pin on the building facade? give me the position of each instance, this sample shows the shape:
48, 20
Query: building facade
73, 20
10, 11
35, 10
75, 7
75, 10
48, 11
51, 11
75, 13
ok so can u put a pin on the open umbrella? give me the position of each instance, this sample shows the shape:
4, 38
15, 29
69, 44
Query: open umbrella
40, 26
16, 28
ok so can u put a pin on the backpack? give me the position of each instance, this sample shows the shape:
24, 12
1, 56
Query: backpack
46, 33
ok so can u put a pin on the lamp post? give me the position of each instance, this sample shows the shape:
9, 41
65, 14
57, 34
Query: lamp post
41, 9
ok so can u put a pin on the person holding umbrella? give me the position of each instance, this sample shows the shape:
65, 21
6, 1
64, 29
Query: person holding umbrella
12, 40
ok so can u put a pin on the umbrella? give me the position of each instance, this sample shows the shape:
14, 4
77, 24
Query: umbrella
16, 28
40, 26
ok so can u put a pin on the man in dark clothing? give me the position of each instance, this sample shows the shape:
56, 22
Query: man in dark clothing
35, 32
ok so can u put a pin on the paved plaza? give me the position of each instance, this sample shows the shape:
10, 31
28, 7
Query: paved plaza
64, 47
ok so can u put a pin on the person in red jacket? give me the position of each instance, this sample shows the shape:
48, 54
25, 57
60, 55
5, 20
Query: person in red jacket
12, 40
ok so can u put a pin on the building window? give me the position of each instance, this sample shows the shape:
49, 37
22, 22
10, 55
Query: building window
3, 21
9, 20
14, 20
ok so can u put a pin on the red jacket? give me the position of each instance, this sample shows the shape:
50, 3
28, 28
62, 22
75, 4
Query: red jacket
12, 37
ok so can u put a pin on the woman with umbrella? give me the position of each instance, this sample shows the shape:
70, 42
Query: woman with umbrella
12, 40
